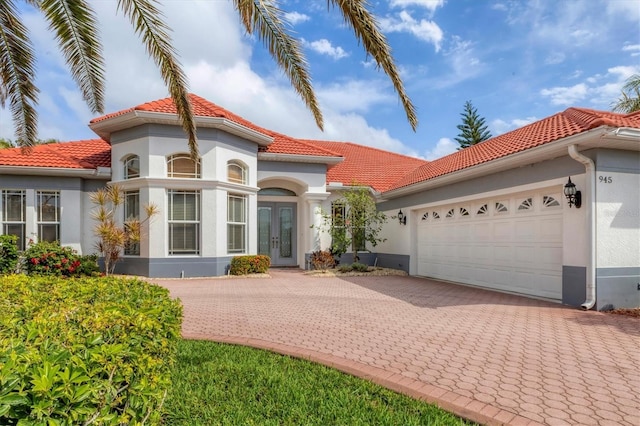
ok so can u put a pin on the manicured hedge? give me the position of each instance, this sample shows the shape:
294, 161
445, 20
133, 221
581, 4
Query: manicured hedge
85, 351
8, 254
251, 264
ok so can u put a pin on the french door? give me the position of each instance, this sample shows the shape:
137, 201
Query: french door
277, 232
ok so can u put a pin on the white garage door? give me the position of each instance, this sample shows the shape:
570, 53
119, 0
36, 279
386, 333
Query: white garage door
512, 243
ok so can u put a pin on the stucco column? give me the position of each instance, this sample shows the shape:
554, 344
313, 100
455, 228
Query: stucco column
316, 221
314, 201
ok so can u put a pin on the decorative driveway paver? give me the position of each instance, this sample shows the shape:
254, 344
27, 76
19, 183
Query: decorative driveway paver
490, 357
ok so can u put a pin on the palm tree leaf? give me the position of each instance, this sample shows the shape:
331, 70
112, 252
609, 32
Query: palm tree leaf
264, 19
147, 21
375, 43
17, 74
75, 26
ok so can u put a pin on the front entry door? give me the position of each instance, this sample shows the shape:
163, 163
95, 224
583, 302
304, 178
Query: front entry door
277, 232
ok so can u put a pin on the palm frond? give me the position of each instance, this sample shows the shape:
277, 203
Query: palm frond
147, 21
264, 19
17, 74
628, 103
75, 26
365, 27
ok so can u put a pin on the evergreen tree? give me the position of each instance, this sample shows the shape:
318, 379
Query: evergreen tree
473, 129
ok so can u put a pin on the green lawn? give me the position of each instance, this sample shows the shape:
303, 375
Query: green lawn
234, 385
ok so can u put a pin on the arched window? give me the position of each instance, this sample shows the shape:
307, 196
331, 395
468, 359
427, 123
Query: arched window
236, 172
131, 167
182, 166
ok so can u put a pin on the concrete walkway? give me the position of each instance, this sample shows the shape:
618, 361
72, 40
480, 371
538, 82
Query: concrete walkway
489, 357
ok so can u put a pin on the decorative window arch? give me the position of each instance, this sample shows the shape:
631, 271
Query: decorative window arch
464, 211
131, 166
549, 201
182, 166
450, 213
526, 204
483, 209
425, 216
236, 172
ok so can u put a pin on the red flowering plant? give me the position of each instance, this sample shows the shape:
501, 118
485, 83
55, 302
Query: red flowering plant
50, 258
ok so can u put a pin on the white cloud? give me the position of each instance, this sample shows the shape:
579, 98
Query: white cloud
566, 95
499, 126
599, 90
430, 5
324, 47
463, 63
445, 146
633, 48
555, 58
424, 30
295, 18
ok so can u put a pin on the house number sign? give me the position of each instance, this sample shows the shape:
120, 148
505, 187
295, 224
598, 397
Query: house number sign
605, 179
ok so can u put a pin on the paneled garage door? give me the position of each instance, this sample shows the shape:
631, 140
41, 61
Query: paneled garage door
511, 243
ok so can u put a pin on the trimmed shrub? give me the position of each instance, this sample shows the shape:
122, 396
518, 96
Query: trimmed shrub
252, 264
322, 260
50, 258
8, 254
358, 267
85, 351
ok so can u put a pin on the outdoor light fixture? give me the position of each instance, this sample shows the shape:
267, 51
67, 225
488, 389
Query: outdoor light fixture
402, 218
573, 197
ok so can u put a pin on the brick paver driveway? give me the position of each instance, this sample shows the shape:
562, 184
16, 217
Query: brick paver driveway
490, 357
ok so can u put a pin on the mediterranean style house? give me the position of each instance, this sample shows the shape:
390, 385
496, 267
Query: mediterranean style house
495, 215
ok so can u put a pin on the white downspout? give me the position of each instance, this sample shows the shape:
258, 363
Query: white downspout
590, 169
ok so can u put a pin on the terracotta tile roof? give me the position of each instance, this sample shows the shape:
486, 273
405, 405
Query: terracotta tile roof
368, 166
84, 154
282, 144
567, 123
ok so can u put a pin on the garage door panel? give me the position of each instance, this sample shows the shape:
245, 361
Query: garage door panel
502, 231
517, 251
551, 229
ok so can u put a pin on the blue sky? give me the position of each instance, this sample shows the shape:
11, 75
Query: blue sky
516, 61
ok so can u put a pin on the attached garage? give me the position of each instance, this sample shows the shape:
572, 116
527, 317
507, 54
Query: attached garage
511, 243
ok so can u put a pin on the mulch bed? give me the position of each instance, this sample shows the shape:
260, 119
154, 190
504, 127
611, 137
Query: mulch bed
632, 312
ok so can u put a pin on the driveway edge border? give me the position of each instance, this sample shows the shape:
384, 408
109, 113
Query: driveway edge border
462, 406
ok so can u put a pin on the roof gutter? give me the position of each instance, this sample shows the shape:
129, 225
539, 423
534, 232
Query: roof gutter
299, 158
590, 169
97, 173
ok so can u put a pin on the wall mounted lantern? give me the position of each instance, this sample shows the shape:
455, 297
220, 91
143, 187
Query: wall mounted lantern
402, 218
573, 197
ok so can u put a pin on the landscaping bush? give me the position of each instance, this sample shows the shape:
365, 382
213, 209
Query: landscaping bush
322, 260
255, 264
50, 258
85, 351
358, 267
8, 254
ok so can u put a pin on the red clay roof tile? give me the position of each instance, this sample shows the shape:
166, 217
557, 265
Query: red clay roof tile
567, 123
368, 166
282, 144
84, 154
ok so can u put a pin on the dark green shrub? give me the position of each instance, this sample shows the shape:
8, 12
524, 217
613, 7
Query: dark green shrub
88, 265
251, 264
322, 260
358, 267
8, 254
345, 268
85, 351
50, 258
